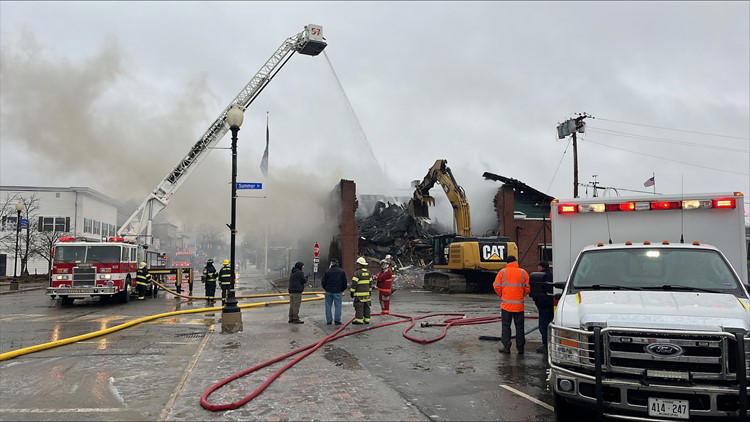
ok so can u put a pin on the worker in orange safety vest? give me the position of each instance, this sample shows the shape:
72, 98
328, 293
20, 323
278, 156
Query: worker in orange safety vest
512, 285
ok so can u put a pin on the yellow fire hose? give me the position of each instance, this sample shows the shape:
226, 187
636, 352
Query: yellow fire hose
255, 296
44, 346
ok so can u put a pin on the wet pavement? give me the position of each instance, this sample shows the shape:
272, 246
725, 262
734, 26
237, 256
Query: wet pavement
158, 370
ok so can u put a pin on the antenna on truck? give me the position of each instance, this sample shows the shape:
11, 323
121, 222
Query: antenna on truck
609, 233
682, 209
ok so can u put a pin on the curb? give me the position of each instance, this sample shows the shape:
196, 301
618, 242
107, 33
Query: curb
22, 290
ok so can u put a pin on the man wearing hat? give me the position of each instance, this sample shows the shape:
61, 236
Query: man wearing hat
543, 298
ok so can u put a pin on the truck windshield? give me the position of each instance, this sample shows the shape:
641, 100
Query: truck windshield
70, 254
655, 269
103, 254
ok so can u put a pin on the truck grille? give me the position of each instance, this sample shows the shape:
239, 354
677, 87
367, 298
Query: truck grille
84, 276
699, 357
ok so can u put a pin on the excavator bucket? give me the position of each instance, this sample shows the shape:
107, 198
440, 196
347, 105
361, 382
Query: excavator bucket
418, 208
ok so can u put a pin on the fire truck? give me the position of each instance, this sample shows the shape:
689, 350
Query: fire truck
83, 269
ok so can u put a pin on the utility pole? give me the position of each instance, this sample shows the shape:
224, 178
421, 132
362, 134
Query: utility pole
595, 184
571, 127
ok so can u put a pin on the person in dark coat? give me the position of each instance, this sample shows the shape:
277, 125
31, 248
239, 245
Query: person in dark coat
297, 282
334, 282
542, 293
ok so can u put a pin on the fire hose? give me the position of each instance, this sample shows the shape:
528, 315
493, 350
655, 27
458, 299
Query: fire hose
49, 345
455, 320
255, 296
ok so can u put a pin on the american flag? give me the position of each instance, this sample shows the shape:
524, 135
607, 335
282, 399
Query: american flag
649, 182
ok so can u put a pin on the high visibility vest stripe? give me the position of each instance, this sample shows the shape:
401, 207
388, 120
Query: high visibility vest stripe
512, 301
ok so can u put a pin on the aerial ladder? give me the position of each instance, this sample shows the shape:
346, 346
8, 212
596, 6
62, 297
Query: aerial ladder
461, 261
309, 42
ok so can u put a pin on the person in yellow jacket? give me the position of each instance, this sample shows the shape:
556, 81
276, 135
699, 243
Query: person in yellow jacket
361, 292
142, 280
512, 285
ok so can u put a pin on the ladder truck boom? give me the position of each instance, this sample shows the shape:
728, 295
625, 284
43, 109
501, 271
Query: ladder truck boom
308, 42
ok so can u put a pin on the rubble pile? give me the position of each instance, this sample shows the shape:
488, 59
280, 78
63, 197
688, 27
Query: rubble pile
409, 277
392, 230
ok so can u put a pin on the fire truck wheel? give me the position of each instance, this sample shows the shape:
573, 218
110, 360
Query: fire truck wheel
66, 301
124, 295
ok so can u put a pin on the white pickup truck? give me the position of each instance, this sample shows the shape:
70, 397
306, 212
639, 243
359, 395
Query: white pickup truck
654, 318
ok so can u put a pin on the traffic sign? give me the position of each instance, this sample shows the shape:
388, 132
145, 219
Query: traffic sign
315, 267
249, 185
316, 249
316, 260
25, 223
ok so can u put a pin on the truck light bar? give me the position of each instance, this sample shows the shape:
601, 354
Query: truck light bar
116, 239
66, 239
727, 203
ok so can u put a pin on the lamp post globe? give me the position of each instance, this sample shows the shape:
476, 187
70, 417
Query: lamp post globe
231, 317
235, 116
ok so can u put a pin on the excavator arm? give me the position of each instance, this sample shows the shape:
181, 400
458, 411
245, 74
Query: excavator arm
441, 174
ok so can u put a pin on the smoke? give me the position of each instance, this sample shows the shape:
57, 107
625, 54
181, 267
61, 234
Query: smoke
97, 121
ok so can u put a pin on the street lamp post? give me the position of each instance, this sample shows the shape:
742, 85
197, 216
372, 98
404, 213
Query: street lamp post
231, 317
19, 207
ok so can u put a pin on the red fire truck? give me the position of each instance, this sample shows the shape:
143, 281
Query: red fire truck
83, 269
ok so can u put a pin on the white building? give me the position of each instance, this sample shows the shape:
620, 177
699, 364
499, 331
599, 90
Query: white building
78, 211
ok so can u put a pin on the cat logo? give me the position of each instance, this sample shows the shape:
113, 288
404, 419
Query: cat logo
493, 252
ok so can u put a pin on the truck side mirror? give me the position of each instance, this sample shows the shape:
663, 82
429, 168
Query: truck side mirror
536, 277
560, 284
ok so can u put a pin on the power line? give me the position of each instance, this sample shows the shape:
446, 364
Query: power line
663, 140
667, 159
558, 166
674, 129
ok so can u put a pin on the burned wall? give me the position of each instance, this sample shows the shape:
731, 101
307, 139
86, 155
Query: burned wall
528, 233
342, 208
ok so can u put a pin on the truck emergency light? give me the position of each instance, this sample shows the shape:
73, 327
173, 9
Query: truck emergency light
727, 203
116, 239
67, 239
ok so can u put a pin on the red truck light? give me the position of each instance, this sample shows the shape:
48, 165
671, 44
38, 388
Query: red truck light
567, 209
724, 203
67, 239
666, 205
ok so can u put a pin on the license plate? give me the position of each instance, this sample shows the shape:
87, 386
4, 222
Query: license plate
76, 291
667, 408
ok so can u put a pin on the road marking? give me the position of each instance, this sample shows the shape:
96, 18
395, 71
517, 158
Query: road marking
75, 410
114, 390
528, 397
173, 399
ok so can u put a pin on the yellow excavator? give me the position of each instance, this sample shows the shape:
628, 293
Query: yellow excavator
462, 262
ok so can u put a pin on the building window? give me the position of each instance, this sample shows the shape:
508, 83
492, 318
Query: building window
88, 225
9, 223
545, 252
48, 224
53, 224
97, 227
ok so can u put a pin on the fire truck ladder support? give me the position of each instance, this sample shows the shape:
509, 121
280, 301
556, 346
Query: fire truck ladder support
44, 346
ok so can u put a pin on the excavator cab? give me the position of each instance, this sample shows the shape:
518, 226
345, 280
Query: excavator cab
312, 42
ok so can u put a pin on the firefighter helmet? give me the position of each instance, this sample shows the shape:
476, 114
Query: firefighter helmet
361, 261
226, 262
210, 261
142, 265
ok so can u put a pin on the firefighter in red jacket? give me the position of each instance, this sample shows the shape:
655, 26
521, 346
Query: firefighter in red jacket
384, 284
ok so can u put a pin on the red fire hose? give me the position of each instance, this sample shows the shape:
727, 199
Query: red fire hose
456, 319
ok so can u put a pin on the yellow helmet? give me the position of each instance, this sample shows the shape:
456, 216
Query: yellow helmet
142, 265
361, 260
226, 262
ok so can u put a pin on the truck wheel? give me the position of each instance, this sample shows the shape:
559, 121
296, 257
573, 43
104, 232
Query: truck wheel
124, 295
564, 411
66, 301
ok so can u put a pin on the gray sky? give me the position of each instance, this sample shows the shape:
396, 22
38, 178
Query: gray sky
482, 84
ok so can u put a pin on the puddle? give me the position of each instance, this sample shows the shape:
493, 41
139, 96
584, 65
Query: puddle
342, 358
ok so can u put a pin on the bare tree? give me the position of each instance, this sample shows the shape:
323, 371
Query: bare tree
46, 246
31, 239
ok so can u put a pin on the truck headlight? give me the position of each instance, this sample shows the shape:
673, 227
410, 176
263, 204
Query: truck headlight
569, 347
62, 277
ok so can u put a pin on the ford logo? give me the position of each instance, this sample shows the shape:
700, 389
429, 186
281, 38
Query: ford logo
664, 350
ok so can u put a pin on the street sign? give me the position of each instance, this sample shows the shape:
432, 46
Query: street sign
249, 185
316, 260
315, 267
25, 223
316, 249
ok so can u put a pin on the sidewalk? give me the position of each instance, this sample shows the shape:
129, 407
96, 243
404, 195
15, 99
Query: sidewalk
22, 287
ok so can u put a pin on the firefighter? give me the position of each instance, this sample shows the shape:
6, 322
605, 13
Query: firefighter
512, 284
384, 284
142, 280
209, 277
225, 279
360, 291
